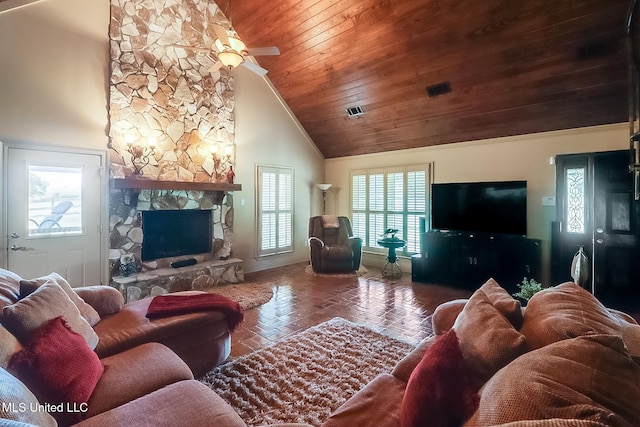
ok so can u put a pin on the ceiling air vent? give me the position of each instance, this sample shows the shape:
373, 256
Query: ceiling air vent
355, 111
438, 89
596, 49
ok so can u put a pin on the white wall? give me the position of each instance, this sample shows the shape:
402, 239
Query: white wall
53, 78
514, 158
54, 74
267, 134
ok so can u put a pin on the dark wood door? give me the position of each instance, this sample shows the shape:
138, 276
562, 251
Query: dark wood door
596, 210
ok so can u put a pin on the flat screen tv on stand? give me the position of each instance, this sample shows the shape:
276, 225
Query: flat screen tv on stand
495, 208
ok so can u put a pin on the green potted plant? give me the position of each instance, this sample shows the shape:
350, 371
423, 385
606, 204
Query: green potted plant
528, 288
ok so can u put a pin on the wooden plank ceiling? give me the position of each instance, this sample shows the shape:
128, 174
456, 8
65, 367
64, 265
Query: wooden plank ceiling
514, 67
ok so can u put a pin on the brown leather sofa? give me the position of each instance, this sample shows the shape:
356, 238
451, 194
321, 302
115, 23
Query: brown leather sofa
150, 365
333, 248
564, 360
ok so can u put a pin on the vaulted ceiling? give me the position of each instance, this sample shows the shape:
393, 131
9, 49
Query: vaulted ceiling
512, 66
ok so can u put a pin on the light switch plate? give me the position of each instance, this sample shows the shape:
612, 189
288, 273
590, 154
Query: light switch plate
548, 201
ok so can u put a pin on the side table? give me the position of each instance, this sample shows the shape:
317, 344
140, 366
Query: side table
392, 268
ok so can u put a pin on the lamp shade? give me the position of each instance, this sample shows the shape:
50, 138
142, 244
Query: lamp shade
230, 58
324, 187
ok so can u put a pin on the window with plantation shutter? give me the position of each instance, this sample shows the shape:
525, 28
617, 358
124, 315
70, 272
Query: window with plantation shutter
275, 209
394, 197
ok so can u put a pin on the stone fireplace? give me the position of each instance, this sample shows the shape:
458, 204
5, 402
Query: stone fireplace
157, 276
172, 141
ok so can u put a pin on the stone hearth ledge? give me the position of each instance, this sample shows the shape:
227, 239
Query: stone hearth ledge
202, 276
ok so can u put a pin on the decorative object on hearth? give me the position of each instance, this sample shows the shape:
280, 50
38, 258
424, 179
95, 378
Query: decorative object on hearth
324, 188
127, 265
391, 241
580, 268
296, 367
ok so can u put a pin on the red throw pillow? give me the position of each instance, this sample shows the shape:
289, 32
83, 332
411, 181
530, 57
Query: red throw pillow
60, 369
438, 393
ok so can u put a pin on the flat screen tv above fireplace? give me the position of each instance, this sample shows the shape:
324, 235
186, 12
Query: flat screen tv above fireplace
172, 233
480, 207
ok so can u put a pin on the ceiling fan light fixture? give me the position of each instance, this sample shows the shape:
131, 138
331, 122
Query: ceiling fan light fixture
237, 44
230, 58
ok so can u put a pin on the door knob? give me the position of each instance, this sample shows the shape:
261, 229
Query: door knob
20, 248
15, 235
599, 241
599, 230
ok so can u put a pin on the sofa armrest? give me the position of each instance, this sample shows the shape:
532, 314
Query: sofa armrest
314, 242
445, 315
185, 403
104, 299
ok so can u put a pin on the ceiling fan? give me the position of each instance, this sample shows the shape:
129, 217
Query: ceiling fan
232, 52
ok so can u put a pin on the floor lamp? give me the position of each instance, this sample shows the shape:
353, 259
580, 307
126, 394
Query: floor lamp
324, 188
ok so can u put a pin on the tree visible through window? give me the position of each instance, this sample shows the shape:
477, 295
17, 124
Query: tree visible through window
389, 198
275, 210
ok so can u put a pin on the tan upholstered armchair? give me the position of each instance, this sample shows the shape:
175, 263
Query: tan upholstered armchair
333, 248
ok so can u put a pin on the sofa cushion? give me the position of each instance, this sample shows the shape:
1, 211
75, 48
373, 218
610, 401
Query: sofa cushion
183, 404
18, 403
104, 299
134, 373
438, 393
48, 302
405, 367
60, 369
445, 315
378, 403
566, 311
9, 287
27, 287
590, 378
200, 339
485, 330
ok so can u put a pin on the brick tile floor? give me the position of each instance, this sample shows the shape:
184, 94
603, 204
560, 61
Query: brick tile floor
396, 307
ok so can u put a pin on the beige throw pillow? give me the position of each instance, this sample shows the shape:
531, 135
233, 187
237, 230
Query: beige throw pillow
49, 301
566, 311
29, 286
487, 337
587, 378
104, 299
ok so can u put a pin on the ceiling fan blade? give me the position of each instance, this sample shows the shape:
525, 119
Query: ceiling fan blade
254, 67
263, 51
221, 33
216, 66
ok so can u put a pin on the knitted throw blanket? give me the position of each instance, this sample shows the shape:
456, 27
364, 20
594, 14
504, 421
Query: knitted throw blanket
169, 305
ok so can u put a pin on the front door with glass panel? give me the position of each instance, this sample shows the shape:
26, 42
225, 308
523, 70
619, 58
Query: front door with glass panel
596, 211
53, 214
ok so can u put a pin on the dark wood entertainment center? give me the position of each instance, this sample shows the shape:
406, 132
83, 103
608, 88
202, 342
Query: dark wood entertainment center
468, 259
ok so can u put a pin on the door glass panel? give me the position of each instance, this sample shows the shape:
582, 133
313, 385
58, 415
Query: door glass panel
55, 200
575, 200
